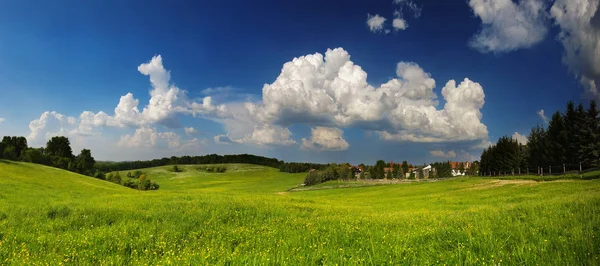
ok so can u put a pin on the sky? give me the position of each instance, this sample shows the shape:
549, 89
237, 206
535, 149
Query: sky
313, 81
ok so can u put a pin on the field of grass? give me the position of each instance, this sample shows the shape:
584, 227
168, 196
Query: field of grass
246, 216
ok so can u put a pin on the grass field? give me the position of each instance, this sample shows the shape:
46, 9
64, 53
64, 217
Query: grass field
245, 216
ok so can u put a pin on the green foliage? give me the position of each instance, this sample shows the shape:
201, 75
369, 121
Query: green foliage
389, 175
571, 139
421, 175
114, 177
379, 173
332, 172
85, 162
100, 175
35, 156
176, 169
59, 146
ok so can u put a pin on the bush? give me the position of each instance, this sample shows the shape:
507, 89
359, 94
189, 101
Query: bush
114, 177
130, 183
220, 169
100, 175
176, 169
312, 178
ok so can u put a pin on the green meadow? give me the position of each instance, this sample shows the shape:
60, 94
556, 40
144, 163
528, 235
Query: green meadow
247, 215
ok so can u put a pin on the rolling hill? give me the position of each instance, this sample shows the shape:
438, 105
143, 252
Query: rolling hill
246, 216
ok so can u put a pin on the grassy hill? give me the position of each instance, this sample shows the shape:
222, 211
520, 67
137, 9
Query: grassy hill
245, 216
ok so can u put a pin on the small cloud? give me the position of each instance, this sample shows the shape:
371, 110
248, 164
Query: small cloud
190, 131
543, 116
218, 90
442, 154
2, 120
375, 23
325, 139
520, 138
399, 24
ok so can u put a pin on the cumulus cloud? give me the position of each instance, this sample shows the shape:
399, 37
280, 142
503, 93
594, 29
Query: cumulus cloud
579, 23
325, 139
331, 90
402, 8
399, 24
375, 23
190, 131
148, 137
520, 138
442, 154
50, 124
543, 116
2, 120
508, 26
269, 135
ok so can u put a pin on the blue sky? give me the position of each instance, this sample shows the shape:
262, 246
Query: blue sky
199, 68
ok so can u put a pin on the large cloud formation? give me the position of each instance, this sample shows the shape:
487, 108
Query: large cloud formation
579, 22
331, 90
507, 26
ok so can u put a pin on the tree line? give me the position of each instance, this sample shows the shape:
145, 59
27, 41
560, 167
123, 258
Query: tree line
58, 153
571, 141
205, 159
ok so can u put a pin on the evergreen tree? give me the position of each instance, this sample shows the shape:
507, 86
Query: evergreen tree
404, 167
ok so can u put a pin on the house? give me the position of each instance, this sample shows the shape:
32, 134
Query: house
428, 171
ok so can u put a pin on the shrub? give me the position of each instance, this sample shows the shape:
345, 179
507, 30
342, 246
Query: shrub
176, 169
130, 183
114, 177
312, 178
220, 169
100, 175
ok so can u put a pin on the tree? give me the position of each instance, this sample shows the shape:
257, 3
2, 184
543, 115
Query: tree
461, 167
60, 147
389, 175
404, 167
589, 154
176, 169
85, 162
379, 173
421, 175
35, 156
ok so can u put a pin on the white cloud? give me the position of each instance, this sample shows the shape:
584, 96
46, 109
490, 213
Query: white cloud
50, 124
399, 24
2, 120
268, 135
520, 138
190, 131
579, 23
508, 26
325, 139
147, 137
543, 116
331, 90
442, 154
375, 23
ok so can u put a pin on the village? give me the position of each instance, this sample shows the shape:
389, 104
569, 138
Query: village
406, 170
